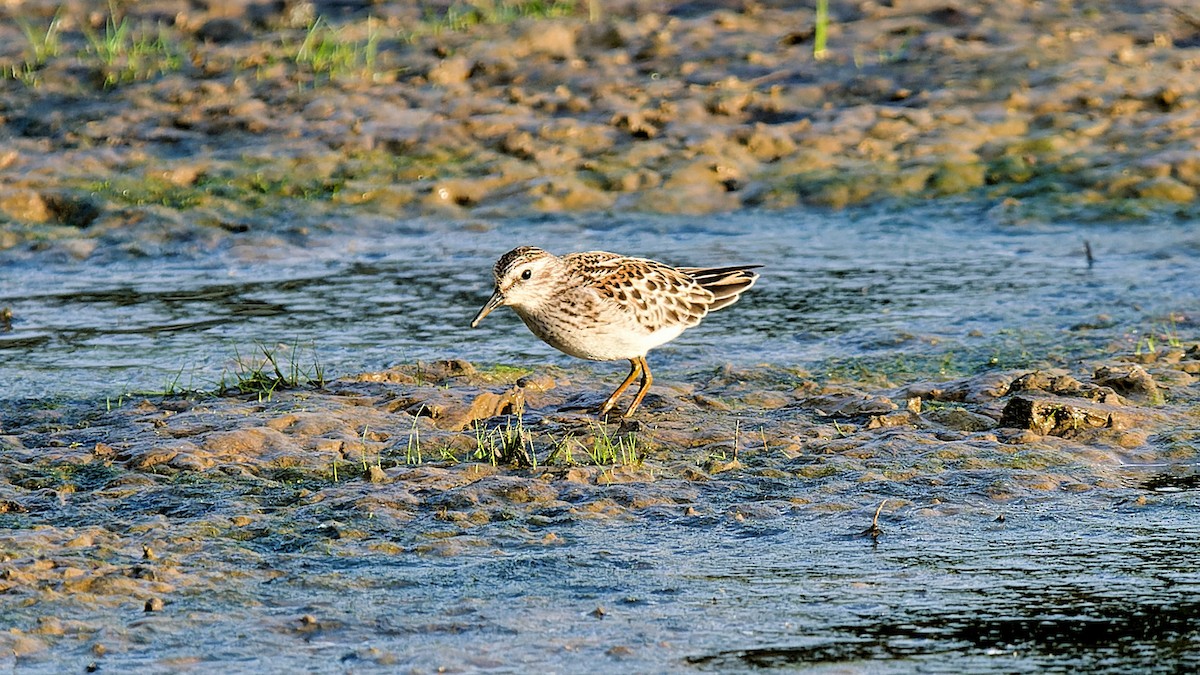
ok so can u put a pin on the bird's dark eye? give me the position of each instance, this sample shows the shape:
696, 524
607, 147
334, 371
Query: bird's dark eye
526, 274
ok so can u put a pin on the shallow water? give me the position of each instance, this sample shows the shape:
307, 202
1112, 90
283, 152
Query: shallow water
941, 281
1096, 583
737, 573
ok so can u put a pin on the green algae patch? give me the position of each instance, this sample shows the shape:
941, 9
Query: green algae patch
951, 178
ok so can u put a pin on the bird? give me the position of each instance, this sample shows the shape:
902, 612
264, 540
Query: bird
604, 306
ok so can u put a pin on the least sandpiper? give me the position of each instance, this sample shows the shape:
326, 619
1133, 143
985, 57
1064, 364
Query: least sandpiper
604, 307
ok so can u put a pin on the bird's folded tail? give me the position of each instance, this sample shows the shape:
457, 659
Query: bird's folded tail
725, 283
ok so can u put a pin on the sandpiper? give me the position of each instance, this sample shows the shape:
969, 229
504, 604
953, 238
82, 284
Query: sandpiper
605, 307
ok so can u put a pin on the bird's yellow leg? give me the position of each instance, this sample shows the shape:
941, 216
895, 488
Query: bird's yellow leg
635, 368
647, 378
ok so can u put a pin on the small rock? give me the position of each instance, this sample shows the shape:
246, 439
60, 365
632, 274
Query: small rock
960, 419
49, 625
766, 400
182, 176
955, 177
222, 30
456, 416
1058, 382
552, 39
568, 193
635, 123
849, 404
710, 402
716, 466
1132, 381
1055, 416
897, 419
25, 205
1166, 189
452, 71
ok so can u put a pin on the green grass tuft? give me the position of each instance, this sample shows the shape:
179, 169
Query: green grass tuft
510, 444
128, 53
264, 376
41, 46
610, 449
464, 16
326, 51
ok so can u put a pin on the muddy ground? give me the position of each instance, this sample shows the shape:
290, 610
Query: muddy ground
134, 507
186, 122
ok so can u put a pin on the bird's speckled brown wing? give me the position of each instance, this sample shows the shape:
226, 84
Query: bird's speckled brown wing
655, 295
725, 283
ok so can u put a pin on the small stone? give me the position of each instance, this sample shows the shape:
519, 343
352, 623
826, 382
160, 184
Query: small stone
718, 466
222, 30
635, 123
49, 625
154, 605
960, 419
182, 176
452, 71
1166, 189
897, 419
25, 205
849, 404
1056, 416
956, 177
1132, 381
555, 40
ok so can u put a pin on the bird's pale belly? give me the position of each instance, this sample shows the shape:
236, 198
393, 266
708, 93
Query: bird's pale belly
599, 342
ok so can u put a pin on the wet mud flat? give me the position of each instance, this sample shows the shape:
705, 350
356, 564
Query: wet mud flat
135, 128
445, 517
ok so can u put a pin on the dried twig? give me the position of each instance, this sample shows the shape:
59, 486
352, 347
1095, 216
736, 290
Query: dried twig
874, 531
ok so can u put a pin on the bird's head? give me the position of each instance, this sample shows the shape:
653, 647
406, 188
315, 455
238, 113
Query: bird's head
522, 281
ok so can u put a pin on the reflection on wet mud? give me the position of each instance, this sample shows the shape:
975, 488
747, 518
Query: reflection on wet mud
1078, 605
